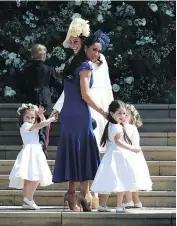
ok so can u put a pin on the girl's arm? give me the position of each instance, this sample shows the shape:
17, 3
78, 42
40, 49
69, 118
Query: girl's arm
85, 90
123, 144
42, 124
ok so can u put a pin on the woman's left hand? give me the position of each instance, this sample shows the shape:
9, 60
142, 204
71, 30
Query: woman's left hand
105, 114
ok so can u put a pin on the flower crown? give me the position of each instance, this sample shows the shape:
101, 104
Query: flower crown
27, 107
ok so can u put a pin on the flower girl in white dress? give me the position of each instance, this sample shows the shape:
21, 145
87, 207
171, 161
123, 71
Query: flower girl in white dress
131, 123
117, 171
30, 168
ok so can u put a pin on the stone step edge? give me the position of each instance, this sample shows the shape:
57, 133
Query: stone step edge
154, 178
51, 162
54, 148
146, 120
143, 134
60, 193
92, 215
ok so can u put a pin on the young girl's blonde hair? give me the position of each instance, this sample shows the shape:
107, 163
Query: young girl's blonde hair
136, 118
37, 51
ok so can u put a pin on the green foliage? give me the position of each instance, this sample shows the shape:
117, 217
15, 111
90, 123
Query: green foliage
141, 56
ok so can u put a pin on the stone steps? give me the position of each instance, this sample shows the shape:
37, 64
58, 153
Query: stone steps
158, 140
145, 110
55, 198
160, 183
54, 216
156, 168
151, 153
149, 125
147, 139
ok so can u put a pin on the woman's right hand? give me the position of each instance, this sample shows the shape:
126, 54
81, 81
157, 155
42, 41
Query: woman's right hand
136, 149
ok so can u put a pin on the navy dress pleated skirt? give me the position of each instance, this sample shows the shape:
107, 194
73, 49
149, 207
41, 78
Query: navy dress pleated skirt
77, 157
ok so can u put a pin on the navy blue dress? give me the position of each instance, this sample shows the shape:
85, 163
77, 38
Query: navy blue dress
77, 157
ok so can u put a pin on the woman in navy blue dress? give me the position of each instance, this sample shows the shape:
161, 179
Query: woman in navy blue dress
78, 157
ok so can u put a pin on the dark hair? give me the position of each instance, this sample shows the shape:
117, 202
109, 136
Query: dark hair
113, 107
81, 56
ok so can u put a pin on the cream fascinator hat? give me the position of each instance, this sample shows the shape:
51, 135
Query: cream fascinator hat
77, 27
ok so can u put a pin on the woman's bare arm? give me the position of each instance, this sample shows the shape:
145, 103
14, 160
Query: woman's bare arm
85, 90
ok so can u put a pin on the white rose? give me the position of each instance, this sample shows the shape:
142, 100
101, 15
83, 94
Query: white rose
143, 22
8, 91
129, 80
153, 7
16, 61
169, 13
115, 88
12, 55
92, 2
8, 61
78, 2
100, 18
28, 38
76, 15
140, 22
129, 52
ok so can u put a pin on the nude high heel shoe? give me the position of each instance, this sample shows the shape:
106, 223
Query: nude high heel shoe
70, 199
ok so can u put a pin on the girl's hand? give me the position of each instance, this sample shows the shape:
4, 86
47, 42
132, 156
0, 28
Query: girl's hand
55, 114
41, 111
52, 119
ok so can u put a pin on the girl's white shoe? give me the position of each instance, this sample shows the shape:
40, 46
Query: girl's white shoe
29, 205
138, 205
128, 205
103, 209
120, 209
